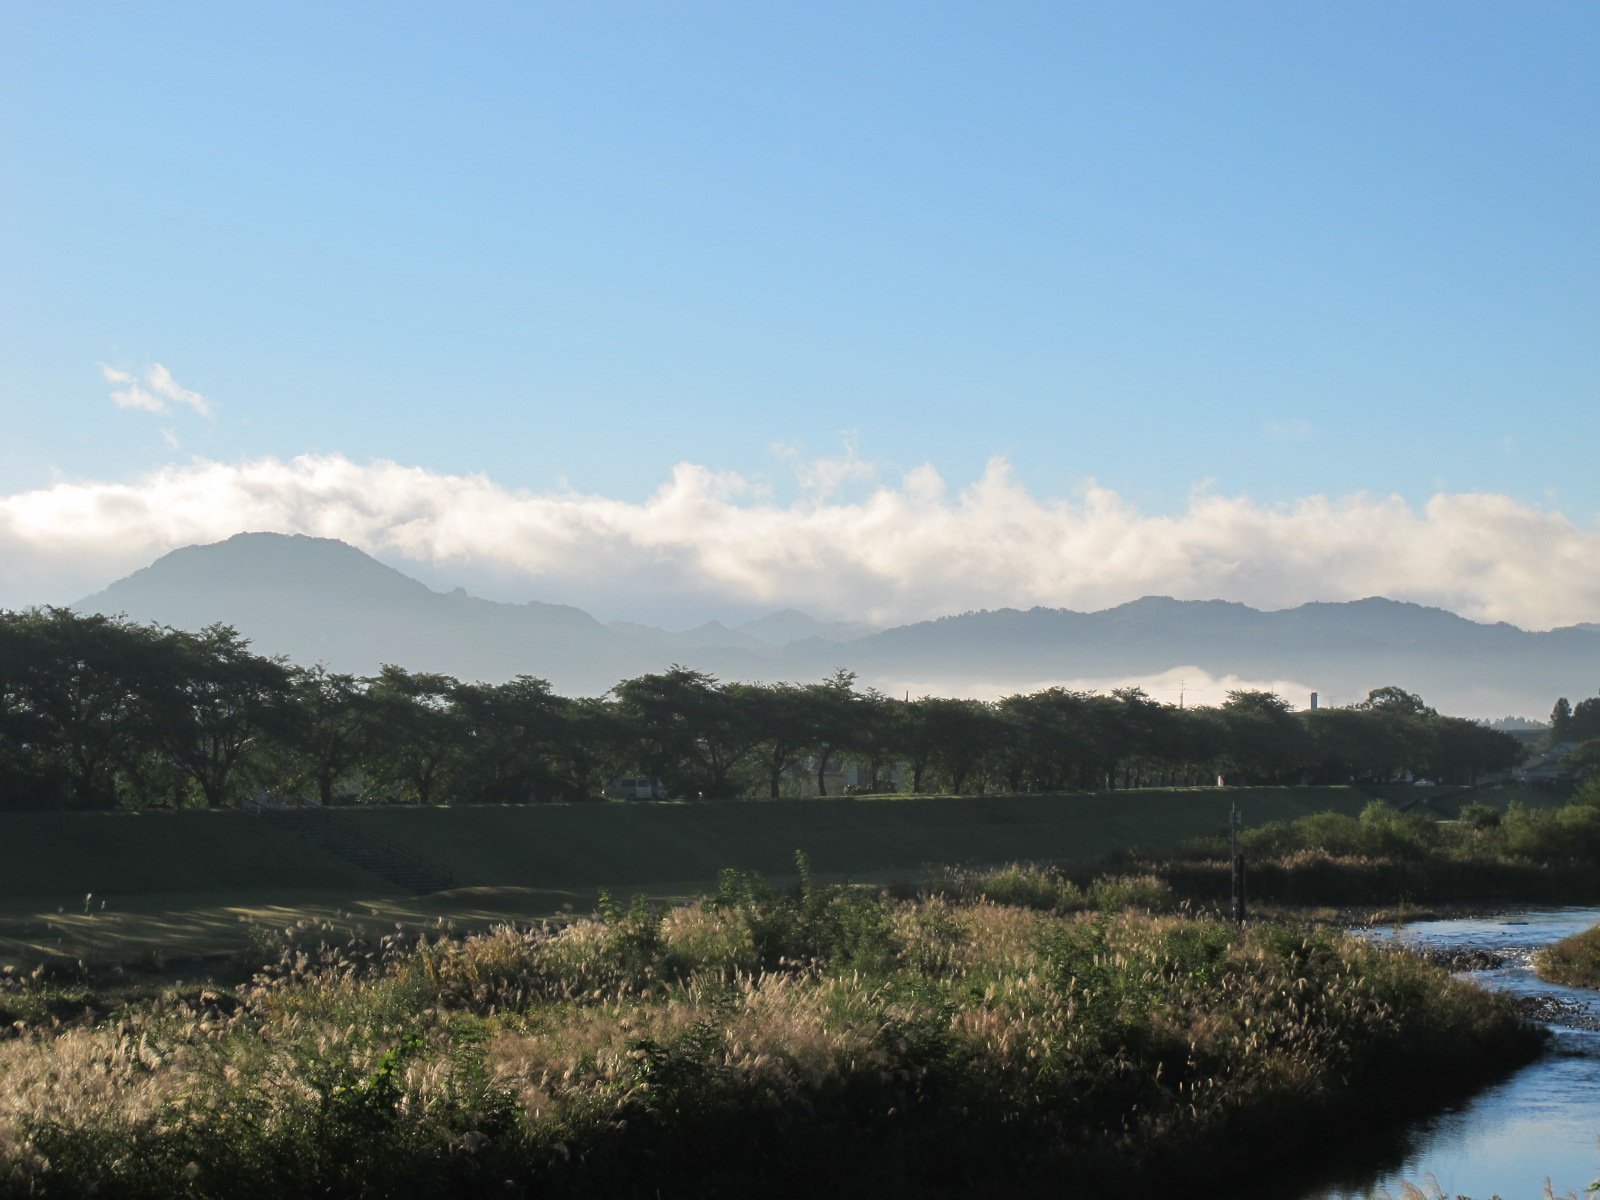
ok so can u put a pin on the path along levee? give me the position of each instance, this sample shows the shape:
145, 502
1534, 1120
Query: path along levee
637, 845
67, 855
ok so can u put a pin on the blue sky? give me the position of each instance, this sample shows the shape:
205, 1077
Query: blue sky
1277, 251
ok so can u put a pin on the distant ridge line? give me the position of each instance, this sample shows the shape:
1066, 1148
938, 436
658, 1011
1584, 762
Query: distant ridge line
318, 599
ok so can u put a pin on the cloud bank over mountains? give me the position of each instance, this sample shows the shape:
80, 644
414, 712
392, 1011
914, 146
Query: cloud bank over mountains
893, 551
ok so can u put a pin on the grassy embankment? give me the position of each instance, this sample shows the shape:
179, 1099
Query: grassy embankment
1574, 961
183, 884
1384, 857
186, 884
826, 1039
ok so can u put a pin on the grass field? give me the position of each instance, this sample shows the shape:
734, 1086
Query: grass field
816, 1042
181, 884
1574, 961
65, 855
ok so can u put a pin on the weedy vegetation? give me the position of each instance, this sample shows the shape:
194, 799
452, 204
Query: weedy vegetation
993, 1034
1573, 961
1384, 857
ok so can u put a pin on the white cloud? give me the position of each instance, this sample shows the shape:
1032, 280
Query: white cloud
708, 541
823, 477
162, 388
162, 381
1297, 429
131, 395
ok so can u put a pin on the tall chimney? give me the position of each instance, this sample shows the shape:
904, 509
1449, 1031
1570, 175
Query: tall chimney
1313, 702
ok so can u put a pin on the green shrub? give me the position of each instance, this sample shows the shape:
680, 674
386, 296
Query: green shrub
1573, 961
818, 1039
1386, 857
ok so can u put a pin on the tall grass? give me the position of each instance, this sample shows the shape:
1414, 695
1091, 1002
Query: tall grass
1049, 888
1009, 1033
1384, 856
1574, 961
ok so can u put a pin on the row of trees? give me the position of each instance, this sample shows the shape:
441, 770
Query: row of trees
97, 712
1580, 724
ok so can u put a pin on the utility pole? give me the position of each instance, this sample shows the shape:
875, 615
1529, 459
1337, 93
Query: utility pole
1236, 858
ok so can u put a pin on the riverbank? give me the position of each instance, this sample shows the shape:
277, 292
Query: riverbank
119, 887
116, 887
1404, 861
1512, 1136
1573, 961
829, 1039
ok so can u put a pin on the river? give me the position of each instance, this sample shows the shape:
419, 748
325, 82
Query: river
1507, 1140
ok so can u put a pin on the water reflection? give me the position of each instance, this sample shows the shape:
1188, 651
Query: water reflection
1541, 1123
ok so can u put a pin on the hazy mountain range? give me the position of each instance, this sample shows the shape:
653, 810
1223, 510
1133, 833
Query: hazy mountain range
316, 599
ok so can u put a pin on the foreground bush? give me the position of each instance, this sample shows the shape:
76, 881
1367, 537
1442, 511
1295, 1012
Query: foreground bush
825, 1039
1386, 856
1574, 961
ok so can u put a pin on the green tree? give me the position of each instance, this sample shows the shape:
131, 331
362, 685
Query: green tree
919, 740
879, 735
320, 742
210, 703
75, 707
1584, 762
1462, 750
596, 747
514, 734
1144, 735
1047, 740
688, 730
834, 711
1378, 745
1195, 752
778, 717
1350, 744
27, 779
1561, 721
1263, 740
962, 733
415, 737
1585, 722
1396, 701
1406, 728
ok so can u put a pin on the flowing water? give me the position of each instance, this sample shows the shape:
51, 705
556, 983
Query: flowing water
1507, 1140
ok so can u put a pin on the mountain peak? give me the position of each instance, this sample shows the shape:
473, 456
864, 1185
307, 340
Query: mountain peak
320, 599
275, 563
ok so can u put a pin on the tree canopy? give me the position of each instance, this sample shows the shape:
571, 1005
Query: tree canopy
97, 712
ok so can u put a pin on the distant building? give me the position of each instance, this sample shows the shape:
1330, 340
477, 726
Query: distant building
1548, 765
636, 788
